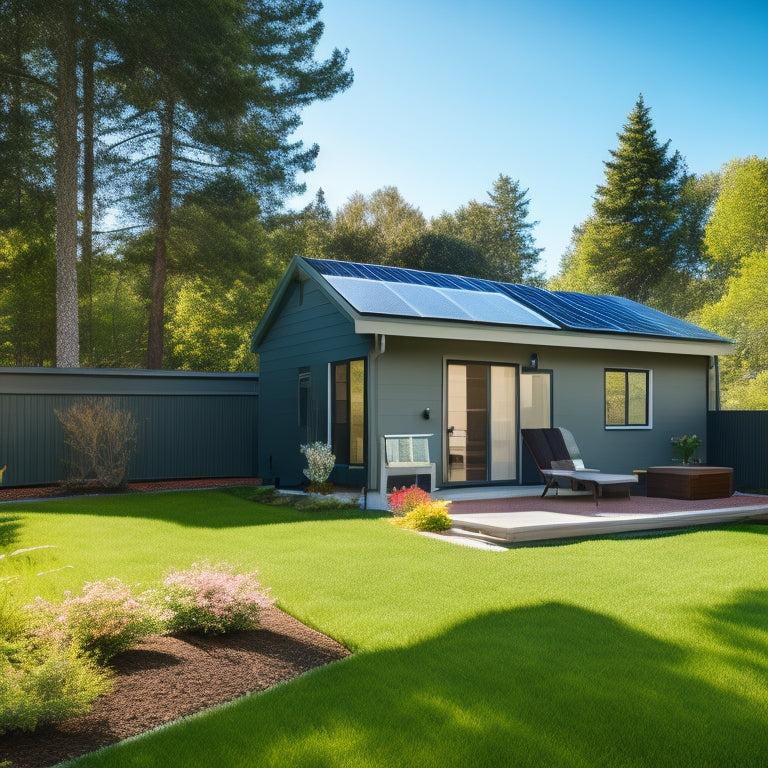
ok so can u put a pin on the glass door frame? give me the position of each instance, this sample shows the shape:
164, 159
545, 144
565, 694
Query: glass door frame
515, 432
528, 473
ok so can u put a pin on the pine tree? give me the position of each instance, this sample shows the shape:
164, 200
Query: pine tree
632, 240
221, 87
500, 231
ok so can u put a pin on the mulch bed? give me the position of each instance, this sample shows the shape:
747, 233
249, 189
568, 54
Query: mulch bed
165, 678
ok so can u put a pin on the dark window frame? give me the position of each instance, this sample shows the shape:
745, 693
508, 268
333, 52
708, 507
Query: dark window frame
342, 444
304, 404
626, 423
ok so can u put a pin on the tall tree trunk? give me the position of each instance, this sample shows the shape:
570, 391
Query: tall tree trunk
16, 128
89, 186
67, 333
162, 228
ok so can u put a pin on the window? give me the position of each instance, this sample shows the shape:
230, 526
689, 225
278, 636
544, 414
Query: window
627, 398
305, 405
348, 411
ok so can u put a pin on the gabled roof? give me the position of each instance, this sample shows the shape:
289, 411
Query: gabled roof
411, 302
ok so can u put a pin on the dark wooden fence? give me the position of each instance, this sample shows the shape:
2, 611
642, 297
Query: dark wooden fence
189, 425
739, 439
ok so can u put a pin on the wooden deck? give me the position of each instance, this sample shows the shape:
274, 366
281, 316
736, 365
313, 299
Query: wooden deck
525, 519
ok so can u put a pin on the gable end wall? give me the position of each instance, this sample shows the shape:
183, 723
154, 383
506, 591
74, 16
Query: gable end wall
308, 332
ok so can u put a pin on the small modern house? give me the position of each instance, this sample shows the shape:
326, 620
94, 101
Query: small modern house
418, 376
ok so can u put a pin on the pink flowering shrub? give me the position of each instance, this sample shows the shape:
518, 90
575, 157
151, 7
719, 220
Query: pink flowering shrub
405, 500
212, 600
104, 621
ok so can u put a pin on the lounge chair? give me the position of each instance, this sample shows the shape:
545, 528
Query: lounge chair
558, 458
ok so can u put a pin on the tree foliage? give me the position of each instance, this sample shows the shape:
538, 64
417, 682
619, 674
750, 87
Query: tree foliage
221, 88
375, 229
632, 240
498, 231
491, 240
742, 315
738, 226
167, 97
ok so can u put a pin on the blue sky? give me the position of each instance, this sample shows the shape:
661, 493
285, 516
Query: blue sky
449, 94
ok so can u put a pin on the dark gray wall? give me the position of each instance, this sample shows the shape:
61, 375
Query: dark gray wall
739, 439
188, 424
309, 331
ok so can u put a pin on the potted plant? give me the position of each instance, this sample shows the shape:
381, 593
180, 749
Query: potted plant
685, 447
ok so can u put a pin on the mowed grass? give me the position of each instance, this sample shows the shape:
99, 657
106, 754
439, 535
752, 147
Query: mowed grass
610, 652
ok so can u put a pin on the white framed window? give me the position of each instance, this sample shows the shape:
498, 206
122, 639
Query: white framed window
628, 398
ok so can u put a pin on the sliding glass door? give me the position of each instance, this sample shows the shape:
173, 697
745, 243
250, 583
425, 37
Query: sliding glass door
481, 422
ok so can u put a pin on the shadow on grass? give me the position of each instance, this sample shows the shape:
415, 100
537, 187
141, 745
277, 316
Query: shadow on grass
546, 685
741, 628
9, 530
219, 508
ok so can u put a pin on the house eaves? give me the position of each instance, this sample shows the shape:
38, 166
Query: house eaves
431, 329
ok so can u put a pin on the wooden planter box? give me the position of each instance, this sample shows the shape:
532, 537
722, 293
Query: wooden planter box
689, 482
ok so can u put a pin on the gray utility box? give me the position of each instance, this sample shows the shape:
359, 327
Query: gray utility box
405, 462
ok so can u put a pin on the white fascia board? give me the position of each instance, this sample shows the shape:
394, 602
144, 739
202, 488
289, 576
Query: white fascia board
426, 329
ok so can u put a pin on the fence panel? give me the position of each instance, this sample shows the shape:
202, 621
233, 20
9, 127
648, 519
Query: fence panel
739, 439
189, 425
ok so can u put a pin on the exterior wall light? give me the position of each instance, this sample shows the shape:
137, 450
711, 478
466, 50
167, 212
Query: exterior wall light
533, 362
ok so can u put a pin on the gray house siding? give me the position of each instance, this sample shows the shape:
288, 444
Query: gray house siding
679, 405
308, 333
409, 377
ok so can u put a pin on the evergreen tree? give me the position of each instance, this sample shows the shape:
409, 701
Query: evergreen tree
633, 239
499, 232
218, 87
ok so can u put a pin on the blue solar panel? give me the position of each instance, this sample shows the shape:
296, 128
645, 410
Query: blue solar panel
564, 308
371, 296
378, 290
376, 297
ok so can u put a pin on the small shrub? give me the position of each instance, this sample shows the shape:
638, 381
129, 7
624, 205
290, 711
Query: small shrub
101, 438
324, 489
269, 495
104, 621
314, 504
261, 493
41, 680
402, 501
431, 516
320, 460
212, 600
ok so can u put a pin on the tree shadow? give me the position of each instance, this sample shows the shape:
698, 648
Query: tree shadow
214, 509
9, 530
545, 685
741, 627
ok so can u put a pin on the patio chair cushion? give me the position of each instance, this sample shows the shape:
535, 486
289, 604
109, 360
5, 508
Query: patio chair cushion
553, 448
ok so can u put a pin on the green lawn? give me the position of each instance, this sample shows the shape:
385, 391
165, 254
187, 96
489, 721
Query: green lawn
613, 652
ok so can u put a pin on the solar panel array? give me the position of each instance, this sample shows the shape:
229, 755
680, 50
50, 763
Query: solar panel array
393, 291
